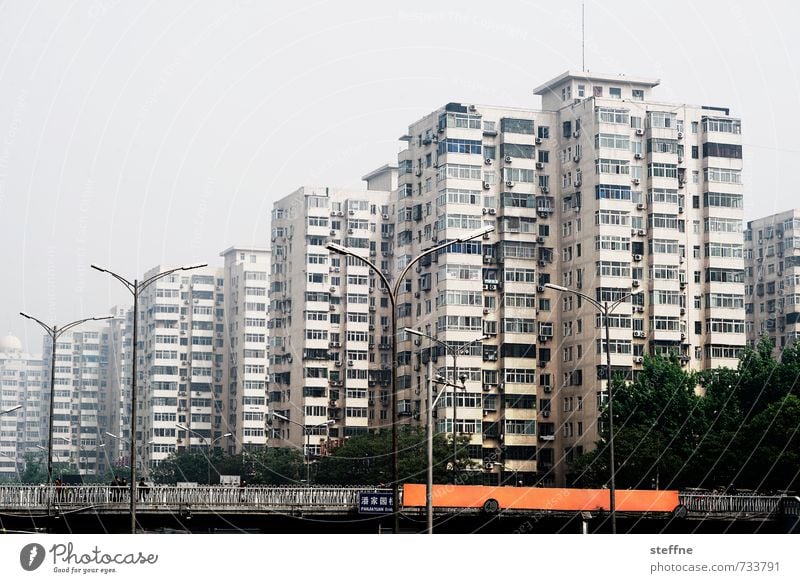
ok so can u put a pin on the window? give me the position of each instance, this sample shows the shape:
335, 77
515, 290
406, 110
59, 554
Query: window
724, 175
612, 192
722, 150
459, 146
544, 132
725, 126
609, 166
637, 94
611, 115
516, 126
656, 169
613, 141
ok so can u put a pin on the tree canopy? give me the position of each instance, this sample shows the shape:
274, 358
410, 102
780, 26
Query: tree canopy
712, 429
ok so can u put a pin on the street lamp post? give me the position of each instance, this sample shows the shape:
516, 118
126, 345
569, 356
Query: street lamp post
393, 293
54, 332
454, 351
135, 288
307, 432
6, 411
209, 444
605, 309
430, 403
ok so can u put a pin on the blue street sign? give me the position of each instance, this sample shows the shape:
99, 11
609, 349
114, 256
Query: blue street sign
375, 502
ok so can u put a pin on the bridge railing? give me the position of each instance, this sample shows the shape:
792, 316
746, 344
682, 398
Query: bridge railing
731, 504
37, 497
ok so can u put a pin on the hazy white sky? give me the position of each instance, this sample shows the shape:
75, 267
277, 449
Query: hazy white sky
137, 133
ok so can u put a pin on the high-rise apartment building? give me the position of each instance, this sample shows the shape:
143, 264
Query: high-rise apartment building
772, 278
21, 378
329, 338
605, 191
246, 288
182, 365
77, 433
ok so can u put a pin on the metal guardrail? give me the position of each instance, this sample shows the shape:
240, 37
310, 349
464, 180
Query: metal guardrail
20, 498
731, 504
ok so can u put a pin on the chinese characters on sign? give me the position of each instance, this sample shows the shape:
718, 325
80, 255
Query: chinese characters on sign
375, 502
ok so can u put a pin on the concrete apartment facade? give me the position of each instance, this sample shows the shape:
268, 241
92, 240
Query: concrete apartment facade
329, 339
21, 378
246, 288
77, 433
772, 278
604, 190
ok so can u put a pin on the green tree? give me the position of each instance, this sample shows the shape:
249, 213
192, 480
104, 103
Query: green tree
658, 423
367, 459
769, 446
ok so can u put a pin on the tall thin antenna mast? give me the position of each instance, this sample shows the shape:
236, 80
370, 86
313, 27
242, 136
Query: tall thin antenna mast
583, 36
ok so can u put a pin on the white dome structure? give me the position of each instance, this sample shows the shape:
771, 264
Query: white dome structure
10, 343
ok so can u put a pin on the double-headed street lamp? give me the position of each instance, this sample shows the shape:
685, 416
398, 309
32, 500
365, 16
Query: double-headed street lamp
393, 291
54, 332
605, 309
307, 431
209, 443
136, 287
454, 350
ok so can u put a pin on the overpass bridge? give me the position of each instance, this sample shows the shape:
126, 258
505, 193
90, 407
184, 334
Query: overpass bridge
99, 508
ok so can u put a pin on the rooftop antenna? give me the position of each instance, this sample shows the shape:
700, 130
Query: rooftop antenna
583, 36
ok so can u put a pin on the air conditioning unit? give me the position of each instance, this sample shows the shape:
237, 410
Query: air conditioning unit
637, 156
488, 259
576, 159
577, 183
635, 283
485, 311
352, 212
640, 206
349, 231
492, 211
680, 159
638, 334
576, 134
637, 257
638, 359
542, 263
680, 209
639, 309
487, 387
635, 180
540, 288
683, 311
508, 159
385, 217
640, 232
501, 387
545, 190
545, 413
639, 132
680, 135
540, 165
416, 294
334, 344
488, 161
486, 186
547, 389
509, 184
543, 339
538, 141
